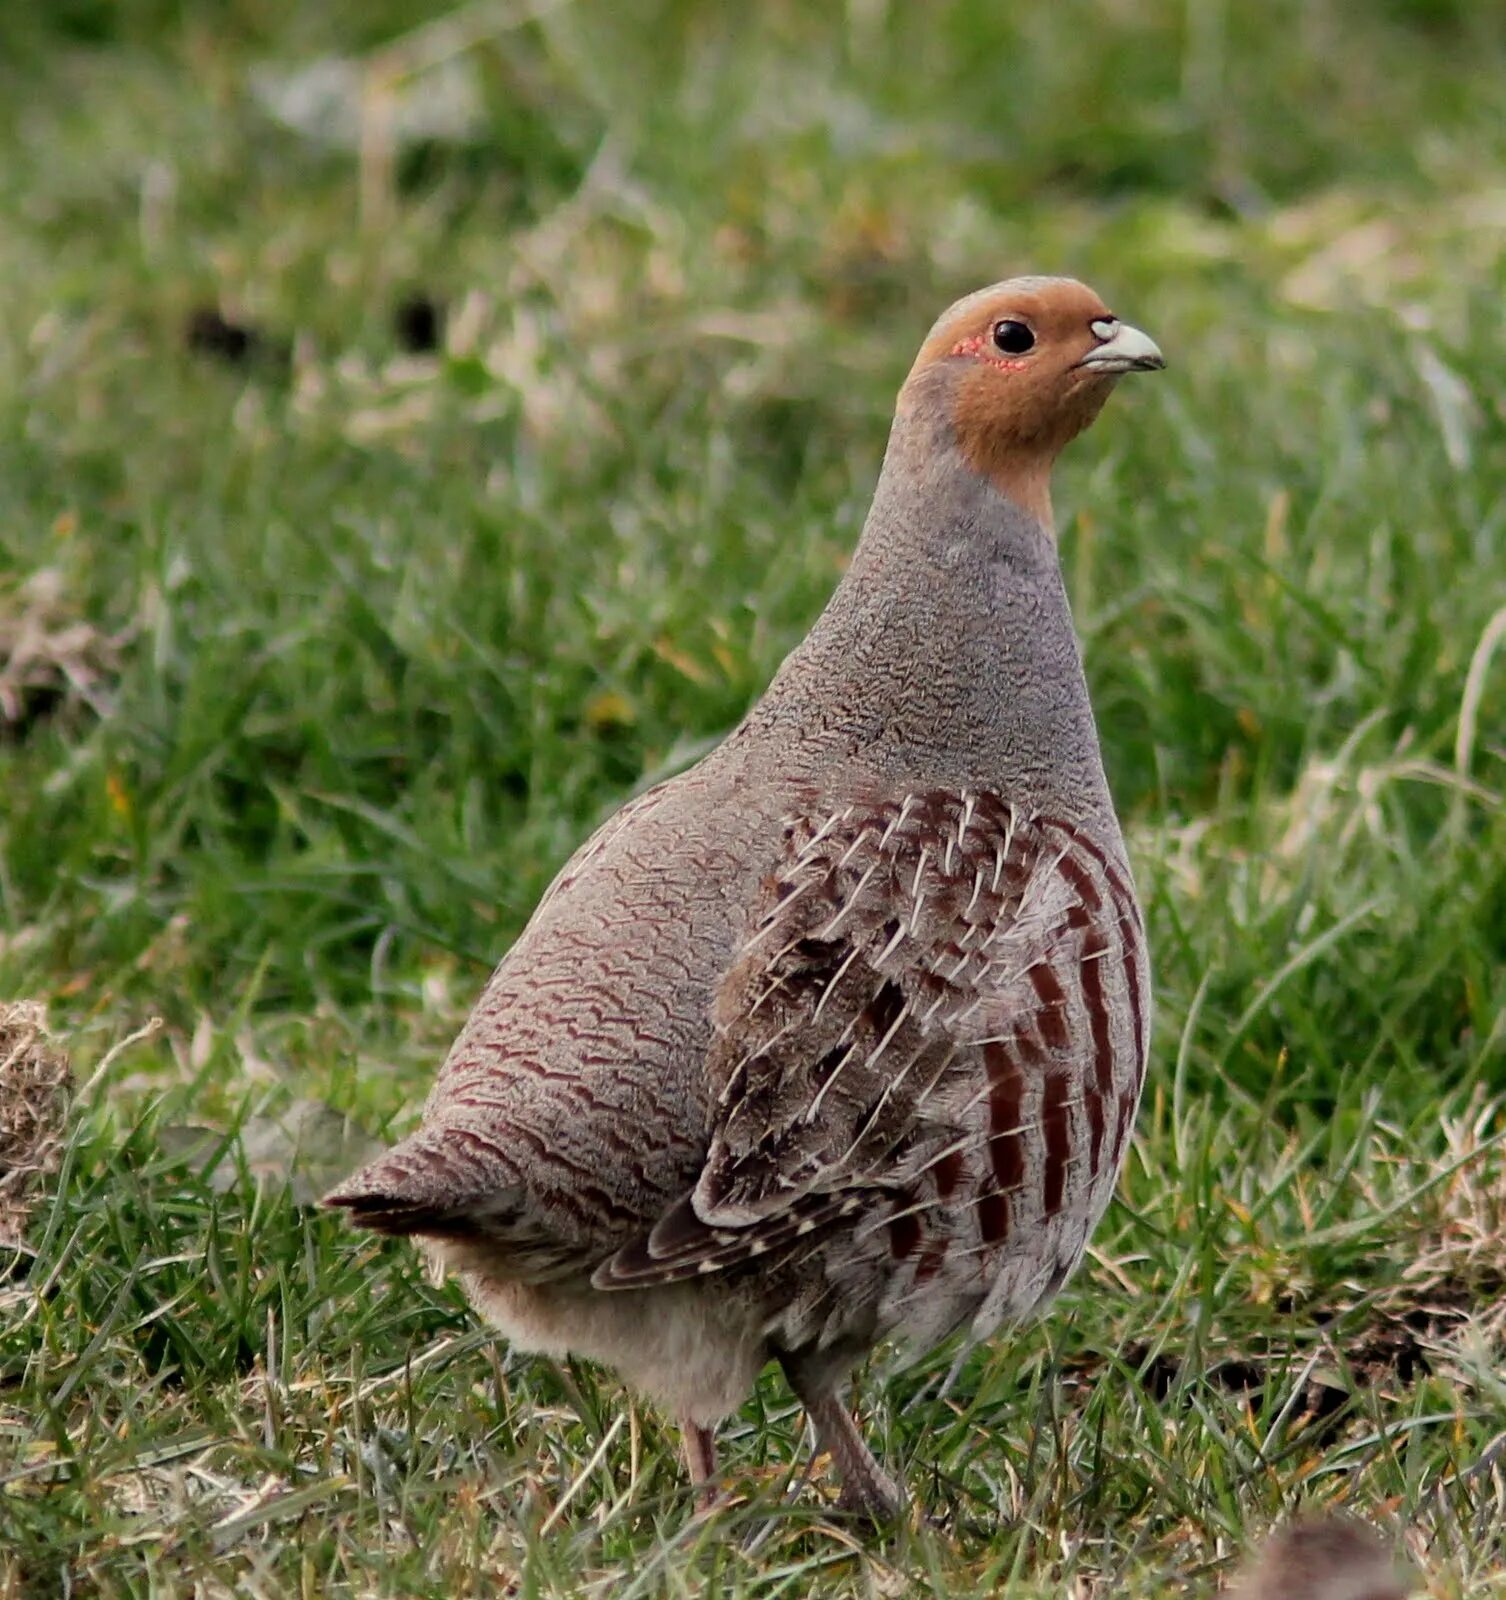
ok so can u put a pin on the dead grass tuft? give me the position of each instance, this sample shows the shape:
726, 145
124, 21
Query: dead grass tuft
49, 656
35, 1088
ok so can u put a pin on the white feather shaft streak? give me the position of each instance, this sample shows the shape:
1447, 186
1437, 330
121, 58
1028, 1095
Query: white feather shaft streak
835, 979
848, 906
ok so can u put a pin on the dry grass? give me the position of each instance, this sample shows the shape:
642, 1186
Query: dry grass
35, 1088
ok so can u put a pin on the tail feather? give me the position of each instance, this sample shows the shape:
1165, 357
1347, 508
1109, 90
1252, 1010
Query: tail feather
441, 1180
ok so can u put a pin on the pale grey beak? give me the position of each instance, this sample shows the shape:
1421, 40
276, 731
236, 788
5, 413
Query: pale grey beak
1125, 350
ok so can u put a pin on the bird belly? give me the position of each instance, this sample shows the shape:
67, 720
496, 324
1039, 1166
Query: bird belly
694, 1351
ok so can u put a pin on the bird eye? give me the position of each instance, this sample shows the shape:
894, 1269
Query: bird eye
1013, 338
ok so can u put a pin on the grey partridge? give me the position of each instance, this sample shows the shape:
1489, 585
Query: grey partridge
837, 1036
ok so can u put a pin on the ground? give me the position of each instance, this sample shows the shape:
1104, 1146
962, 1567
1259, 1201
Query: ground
415, 436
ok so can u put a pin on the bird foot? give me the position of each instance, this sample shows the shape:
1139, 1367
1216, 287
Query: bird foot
700, 1464
867, 1490
876, 1497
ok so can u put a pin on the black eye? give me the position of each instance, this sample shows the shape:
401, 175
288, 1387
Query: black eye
1013, 338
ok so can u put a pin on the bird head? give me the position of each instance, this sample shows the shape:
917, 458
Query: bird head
1017, 371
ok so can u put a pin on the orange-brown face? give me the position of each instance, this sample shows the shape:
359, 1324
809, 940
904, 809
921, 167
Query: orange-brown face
1020, 369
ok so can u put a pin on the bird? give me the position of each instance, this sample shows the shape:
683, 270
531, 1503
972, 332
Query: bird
1323, 1558
836, 1037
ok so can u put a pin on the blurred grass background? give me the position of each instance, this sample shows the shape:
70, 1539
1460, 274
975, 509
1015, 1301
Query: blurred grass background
421, 427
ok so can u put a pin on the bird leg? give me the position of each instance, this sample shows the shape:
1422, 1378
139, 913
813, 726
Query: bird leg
700, 1462
866, 1487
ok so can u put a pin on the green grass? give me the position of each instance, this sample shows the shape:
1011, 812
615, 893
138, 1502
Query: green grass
379, 636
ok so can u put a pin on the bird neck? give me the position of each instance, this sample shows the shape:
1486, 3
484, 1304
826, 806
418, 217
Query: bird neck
947, 653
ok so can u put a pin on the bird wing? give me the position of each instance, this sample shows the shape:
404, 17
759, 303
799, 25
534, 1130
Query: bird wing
910, 958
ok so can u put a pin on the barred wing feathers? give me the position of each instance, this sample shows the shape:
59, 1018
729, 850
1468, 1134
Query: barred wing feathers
941, 995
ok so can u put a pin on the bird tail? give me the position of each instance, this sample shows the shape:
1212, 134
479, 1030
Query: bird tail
441, 1180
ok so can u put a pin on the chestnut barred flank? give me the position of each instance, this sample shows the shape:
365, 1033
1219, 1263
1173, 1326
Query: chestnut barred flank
936, 1025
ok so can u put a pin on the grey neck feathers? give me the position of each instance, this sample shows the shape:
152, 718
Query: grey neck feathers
947, 653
